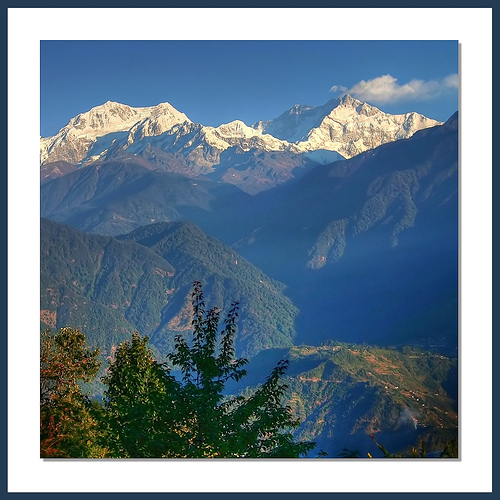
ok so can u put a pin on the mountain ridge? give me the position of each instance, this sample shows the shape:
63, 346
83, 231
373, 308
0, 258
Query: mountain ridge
327, 126
156, 133
370, 240
108, 287
385, 221
361, 250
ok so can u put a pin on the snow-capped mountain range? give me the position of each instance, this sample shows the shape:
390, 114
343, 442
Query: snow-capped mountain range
345, 125
342, 128
113, 126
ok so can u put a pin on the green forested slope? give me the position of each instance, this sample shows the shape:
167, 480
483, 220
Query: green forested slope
110, 287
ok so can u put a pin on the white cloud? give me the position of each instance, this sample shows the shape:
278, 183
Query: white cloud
451, 81
338, 88
385, 89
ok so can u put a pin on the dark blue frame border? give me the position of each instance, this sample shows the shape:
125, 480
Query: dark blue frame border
4, 196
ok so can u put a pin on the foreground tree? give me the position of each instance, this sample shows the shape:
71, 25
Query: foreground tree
68, 424
152, 413
142, 414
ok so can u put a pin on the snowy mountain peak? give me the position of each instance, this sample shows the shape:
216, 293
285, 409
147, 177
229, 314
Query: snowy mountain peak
237, 133
74, 141
236, 128
166, 109
116, 117
343, 124
110, 115
348, 100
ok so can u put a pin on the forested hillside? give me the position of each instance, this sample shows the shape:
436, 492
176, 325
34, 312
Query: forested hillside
110, 287
343, 393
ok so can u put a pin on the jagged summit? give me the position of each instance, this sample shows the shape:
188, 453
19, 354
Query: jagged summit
236, 128
80, 136
167, 137
113, 127
344, 124
116, 117
348, 100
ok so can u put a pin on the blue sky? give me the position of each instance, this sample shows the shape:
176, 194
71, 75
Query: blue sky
215, 82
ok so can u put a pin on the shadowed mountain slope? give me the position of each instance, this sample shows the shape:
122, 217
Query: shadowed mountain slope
369, 246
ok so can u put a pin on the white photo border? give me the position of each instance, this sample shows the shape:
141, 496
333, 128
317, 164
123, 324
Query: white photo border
472, 27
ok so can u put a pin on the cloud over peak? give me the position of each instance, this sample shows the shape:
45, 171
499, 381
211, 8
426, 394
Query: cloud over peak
386, 89
338, 88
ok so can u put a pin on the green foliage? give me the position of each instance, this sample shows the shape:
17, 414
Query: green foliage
68, 424
141, 402
111, 287
266, 315
97, 284
179, 406
150, 413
